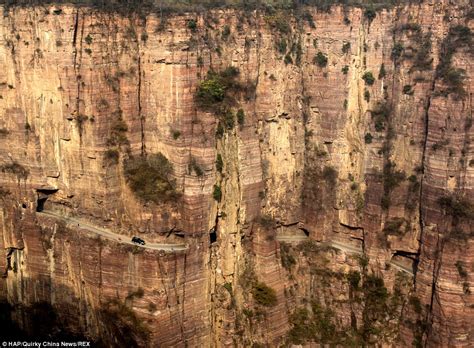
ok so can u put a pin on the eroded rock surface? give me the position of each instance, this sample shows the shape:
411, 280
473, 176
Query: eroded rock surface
370, 179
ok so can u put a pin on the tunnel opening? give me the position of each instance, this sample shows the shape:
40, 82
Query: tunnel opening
43, 195
212, 236
406, 260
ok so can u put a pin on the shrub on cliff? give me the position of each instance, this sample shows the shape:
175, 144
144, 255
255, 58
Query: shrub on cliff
458, 37
195, 167
15, 168
150, 177
219, 163
393, 226
346, 47
397, 51
241, 117
217, 193
191, 25
264, 295
317, 325
368, 78
456, 207
391, 179
353, 277
370, 14
124, 324
320, 60
368, 138
330, 175
211, 90
215, 89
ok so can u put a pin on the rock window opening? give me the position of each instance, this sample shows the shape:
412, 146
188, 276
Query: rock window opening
43, 195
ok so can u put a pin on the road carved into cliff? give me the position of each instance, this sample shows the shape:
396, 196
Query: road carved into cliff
401, 267
347, 248
81, 224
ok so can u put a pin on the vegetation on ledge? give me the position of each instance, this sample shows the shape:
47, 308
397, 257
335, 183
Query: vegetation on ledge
149, 177
169, 6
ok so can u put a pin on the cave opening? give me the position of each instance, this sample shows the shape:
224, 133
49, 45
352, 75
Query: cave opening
43, 195
40, 204
212, 236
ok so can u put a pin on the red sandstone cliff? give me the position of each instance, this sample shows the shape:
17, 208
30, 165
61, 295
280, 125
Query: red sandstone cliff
360, 177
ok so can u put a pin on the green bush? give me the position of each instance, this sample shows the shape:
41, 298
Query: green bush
346, 47
118, 131
392, 227
368, 78
219, 163
353, 277
264, 295
228, 287
416, 304
241, 117
216, 87
317, 326
88, 39
368, 138
320, 59
460, 266
219, 131
175, 133
225, 32
288, 59
210, 90
281, 45
458, 37
407, 89
382, 72
195, 167
330, 176
217, 193
191, 25
149, 177
111, 156
16, 169
309, 18
422, 60
367, 95
227, 120
457, 207
280, 22
370, 14
287, 259
380, 113
391, 179
345, 69
397, 51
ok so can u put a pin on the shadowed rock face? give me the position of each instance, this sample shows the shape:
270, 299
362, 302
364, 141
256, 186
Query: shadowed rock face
353, 146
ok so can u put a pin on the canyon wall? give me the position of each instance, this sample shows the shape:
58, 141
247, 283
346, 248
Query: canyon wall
329, 201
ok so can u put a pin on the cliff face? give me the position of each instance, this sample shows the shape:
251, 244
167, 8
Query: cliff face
349, 171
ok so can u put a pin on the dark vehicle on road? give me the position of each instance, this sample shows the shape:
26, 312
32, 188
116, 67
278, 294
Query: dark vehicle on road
137, 240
